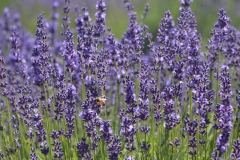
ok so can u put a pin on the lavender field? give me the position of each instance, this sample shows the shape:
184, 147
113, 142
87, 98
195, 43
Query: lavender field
79, 92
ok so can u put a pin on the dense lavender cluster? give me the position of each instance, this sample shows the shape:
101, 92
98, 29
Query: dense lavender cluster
80, 93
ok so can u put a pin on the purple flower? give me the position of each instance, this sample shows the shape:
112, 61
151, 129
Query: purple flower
223, 114
83, 150
236, 150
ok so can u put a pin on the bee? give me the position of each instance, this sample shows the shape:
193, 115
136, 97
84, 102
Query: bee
100, 101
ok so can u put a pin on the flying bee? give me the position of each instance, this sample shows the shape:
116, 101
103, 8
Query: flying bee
100, 101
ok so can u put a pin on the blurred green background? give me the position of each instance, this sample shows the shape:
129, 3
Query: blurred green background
205, 12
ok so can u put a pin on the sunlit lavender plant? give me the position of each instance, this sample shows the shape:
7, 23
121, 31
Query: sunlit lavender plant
84, 94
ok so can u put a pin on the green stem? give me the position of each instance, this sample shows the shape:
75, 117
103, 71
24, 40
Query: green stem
9, 120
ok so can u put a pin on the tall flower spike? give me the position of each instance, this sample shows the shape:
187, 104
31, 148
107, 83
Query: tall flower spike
156, 101
223, 114
83, 150
236, 150
15, 57
70, 109
42, 68
146, 10
69, 52
100, 18
53, 26
65, 18
218, 38
114, 148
